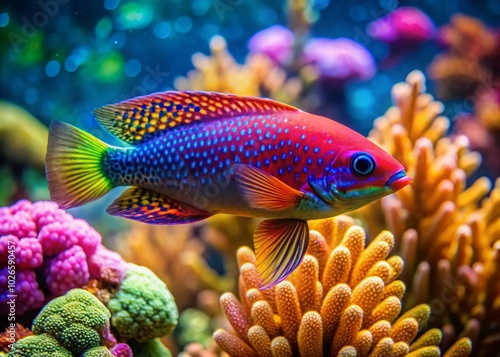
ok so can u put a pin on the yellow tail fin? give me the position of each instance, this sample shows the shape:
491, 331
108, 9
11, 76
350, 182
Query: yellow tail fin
74, 166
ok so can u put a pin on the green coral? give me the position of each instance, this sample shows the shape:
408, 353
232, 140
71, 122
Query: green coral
42, 345
194, 326
151, 348
75, 324
143, 308
77, 320
100, 351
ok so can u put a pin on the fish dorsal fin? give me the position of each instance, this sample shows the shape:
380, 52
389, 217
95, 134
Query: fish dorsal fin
140, 119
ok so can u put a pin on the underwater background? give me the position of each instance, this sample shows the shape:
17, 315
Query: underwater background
420, 78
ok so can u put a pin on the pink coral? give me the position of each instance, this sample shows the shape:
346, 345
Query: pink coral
405, 26
52, 251
339, 60
276, 42
67, 271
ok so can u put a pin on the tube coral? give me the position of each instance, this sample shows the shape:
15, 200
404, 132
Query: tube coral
344, 299
447, 234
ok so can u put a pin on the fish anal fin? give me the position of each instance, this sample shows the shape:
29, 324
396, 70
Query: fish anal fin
280, 245
262, 190
140, 119
147, 206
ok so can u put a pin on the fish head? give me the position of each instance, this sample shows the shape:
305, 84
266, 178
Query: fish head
356, 177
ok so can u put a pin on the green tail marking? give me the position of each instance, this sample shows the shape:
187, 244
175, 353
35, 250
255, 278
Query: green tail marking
74, 166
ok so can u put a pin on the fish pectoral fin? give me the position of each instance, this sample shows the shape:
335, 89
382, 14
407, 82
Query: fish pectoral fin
280, 245
151, 207
262, 190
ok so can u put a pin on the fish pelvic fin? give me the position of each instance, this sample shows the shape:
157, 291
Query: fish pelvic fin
147, 206
140, 119
262, 190
73, 166
280, 245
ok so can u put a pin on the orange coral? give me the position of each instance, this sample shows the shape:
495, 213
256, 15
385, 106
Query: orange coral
446, 234
354, 316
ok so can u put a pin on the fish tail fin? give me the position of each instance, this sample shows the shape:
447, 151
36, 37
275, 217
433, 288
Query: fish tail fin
74, 166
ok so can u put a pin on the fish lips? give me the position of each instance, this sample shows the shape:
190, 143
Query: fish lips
398, 181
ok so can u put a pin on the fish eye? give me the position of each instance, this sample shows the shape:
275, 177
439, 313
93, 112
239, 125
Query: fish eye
362, 164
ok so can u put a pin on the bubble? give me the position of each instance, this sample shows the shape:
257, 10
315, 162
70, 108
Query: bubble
267, 17
31, 95
162, 29
200, 7
133, 67
71, 63
52, 68
111, 4
4, 19
183, 24
103, 27
133, 16
118, 39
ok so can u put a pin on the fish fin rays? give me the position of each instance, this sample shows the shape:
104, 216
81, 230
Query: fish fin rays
262, 190
140, 119
280, 245
147, 206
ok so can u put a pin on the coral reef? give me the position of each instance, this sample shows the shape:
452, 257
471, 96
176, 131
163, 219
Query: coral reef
74, 324
142, 308
404, 27
469, 68
470, 61
344, 299
53, 251
447, 234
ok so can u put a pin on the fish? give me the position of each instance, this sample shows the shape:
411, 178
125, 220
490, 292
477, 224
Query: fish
194, 154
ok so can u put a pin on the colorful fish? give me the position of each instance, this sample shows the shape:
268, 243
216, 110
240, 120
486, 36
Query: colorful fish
196, 154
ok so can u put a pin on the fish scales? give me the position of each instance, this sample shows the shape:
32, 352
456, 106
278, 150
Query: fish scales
191, 158
195, 154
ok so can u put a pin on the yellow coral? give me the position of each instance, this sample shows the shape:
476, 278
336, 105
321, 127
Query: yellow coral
446, 232
357, 315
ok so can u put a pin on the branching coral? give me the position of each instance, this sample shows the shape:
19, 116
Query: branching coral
446, 235
344, 299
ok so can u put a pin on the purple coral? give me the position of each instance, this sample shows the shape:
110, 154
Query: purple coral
405, 26
339, 60
276, 42
52, 251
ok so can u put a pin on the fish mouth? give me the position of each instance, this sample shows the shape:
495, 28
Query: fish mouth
398, 181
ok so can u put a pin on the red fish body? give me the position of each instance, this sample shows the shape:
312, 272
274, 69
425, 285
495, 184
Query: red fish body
196, 154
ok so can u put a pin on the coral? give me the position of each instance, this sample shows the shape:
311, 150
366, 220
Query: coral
150, 348
142, 308
275, 42
53, 252
471, 60
74, 324
337, 61
12, 333
340, 301
447, 234
406, 26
